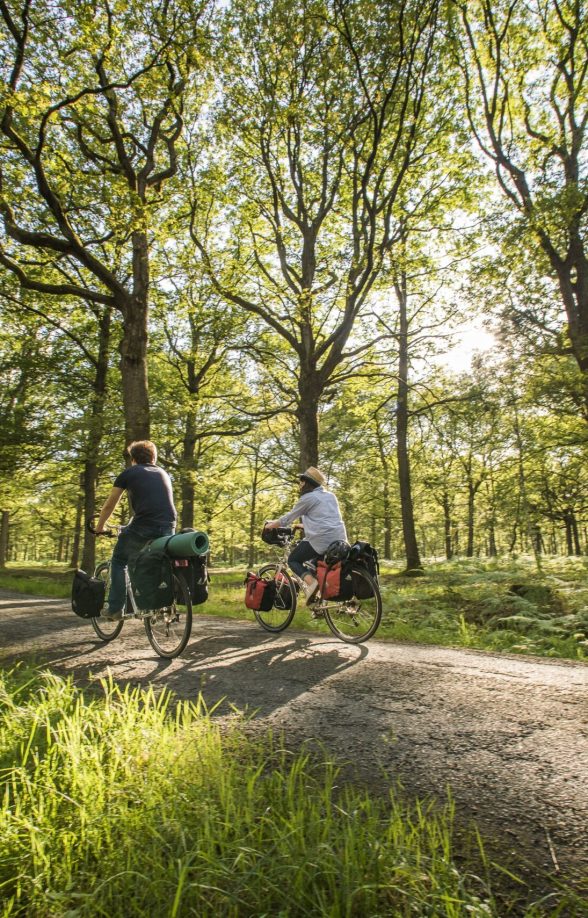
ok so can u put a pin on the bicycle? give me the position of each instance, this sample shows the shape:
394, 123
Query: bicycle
352, 620
168, 629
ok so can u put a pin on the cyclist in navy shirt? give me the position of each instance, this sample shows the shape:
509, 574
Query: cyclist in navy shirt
154, 514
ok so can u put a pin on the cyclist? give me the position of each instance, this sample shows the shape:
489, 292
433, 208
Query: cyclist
322, 522
151, 495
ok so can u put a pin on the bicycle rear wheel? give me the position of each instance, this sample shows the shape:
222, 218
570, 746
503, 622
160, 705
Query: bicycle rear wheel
168, 630
356, 619
282, 612
106, 631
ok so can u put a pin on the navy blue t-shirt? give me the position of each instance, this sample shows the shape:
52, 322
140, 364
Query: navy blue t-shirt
151, 495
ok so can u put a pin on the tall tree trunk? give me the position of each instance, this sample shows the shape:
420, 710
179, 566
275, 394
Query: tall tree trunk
4, 529
492, 548
574, 292
133, 348
253, 513
187, 471
569, 539
575, 534
523, 503
386, 508
94, 440
413, 560
77, 534
471, 511
447, 526
307, 415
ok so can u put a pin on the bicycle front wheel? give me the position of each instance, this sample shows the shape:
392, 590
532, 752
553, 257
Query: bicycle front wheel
356, 619
106, 631
168, 630
282, 612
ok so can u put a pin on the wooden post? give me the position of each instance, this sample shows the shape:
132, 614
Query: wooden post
4, 526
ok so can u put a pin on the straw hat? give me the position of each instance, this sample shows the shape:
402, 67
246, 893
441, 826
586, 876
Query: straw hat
314, 476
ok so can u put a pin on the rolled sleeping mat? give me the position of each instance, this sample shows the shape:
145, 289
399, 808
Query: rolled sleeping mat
183, 545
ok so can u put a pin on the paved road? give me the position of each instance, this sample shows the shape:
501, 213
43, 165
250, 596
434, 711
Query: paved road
508, 734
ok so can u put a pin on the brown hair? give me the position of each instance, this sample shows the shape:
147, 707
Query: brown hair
143, 452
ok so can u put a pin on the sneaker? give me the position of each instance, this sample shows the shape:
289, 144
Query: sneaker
310, 590
113, 616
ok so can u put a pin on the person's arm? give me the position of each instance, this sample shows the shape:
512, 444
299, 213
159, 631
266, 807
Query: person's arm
302, 506
108, 508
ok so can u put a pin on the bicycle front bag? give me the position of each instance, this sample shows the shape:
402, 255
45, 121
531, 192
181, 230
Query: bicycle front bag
87, 595
276, 536
259, 593
334, 580
152, 578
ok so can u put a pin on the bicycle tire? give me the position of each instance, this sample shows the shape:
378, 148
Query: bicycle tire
355, 620
168, 630
284, 608
106, 631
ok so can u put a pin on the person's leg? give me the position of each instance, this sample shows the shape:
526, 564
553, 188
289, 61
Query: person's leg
305, 552
128, 543
301, 553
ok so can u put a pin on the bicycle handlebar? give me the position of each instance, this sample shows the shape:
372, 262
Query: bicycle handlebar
108, 533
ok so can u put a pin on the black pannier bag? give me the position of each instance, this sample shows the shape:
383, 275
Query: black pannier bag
361, 588
195, 574
152, 578
197, 579
283, 597
276, 536
363, 553
87, 595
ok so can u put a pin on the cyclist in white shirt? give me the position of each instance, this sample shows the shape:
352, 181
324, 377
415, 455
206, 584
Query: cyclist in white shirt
321, 518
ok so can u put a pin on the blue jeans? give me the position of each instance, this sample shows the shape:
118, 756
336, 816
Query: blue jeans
303, 552
130, 542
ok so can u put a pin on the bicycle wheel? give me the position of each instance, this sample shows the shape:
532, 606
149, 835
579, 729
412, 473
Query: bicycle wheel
106, 631
356, 619
282, 612
168, 630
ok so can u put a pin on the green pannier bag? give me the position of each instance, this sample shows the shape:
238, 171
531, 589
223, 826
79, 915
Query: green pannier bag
152, 578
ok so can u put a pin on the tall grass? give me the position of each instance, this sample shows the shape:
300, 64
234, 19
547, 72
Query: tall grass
125, 803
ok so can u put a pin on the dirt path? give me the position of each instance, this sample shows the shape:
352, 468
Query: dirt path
508, 734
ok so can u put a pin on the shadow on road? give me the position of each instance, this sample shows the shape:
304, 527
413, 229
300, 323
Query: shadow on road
231, 669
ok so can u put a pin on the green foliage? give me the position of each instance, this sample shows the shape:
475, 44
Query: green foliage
493, 605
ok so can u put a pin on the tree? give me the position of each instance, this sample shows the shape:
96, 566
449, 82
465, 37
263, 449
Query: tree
525, 75
322, 117
90, 119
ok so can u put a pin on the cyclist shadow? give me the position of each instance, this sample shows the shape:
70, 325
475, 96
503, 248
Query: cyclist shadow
253, 672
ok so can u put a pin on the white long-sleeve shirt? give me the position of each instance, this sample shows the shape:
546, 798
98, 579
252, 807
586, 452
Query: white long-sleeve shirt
319, 511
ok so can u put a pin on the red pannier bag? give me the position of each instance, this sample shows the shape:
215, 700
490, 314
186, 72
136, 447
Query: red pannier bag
259, 593
334, 580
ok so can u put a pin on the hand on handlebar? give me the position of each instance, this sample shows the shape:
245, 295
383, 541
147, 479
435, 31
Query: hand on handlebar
109, 533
